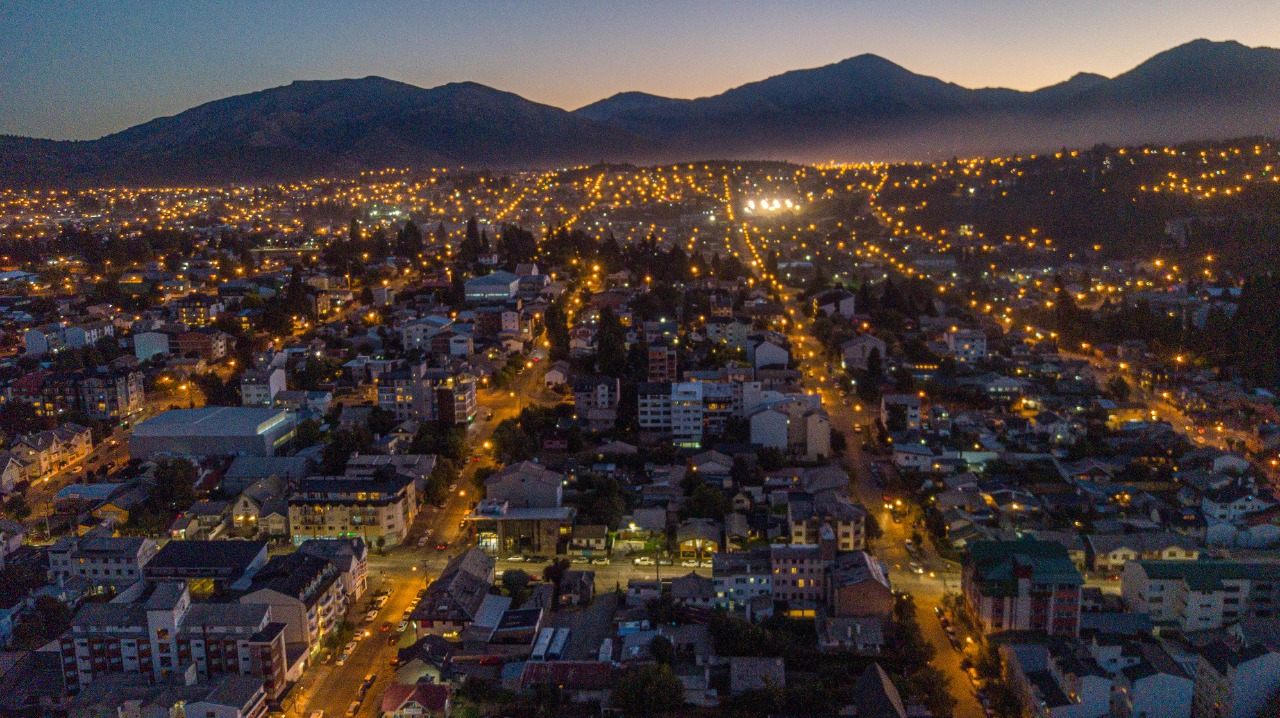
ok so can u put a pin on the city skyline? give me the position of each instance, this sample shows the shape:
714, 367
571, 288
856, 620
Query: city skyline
75, 72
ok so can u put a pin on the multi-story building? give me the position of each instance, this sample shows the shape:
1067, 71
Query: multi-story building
808, 513
740, 577
52, 338
197, 310
377, 509
799, 576
210, 345
968, 346
101, 561
155, 630
1201, 595
100, 394
1234, 681
258, 387
595, 400
524, 511
686, 415
662, 363
1023, 585
653, 402
304, 593
422, 394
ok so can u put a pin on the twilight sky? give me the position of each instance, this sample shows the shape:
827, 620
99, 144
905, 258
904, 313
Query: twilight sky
81, 69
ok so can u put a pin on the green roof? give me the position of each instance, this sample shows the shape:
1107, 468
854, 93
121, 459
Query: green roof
1208, 575
994, 564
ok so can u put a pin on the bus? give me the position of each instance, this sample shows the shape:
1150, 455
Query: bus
556, 651
542, 644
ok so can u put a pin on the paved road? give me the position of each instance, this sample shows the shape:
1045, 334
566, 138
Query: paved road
940, 576
406, 570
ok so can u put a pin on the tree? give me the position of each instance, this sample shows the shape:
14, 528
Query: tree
17, 507
557, 331
707, 503
875, 364
648, 691
516, 583
1118, 388
662, 651
611, 344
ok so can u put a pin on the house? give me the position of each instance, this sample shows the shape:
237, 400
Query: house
453, 600
698, 539
858, 585
577, 588
967, 346
596, 399
836, 301
558, 374
418, 700
350, 558
693, 590
750, 673
856, 353
875, 696
589, 538
769, 354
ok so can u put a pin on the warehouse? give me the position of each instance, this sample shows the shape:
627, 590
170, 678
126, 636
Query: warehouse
213, 431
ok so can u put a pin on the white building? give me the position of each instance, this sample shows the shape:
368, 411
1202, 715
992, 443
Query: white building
258, 387
966, 345
1200, 595
150, 344
686, 414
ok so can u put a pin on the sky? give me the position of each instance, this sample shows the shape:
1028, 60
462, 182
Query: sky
82, 69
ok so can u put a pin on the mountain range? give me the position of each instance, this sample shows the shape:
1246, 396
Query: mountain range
863, 108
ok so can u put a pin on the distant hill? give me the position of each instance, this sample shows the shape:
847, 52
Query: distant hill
862, 108
317, 128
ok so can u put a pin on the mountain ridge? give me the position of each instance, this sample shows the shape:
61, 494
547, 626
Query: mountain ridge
863, 107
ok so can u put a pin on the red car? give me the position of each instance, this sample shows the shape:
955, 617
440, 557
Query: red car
441, 546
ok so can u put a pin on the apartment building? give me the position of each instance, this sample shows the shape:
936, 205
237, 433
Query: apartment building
101, 561
1201, 595
1024, 585
156, 630
376, 509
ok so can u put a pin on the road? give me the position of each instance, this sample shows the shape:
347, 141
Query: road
941, 576
405, 570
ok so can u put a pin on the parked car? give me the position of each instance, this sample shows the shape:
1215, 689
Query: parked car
643, 561
689, 563
600, 561
400, 627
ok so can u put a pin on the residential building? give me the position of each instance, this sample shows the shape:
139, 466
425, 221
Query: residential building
258, 387
104, 394
100, 561
808, 513
662, 365
799, 576
595, 400
304, 593
157, 631
378, 509
197, 309
1022, 585
1201, 595
208, 567
453, 600
967, 346
1234, 681
741, 577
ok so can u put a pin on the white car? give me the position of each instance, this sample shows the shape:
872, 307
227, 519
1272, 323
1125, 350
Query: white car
705, 564
643, 561
515, 559
600, 562
402, 626
689, 563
